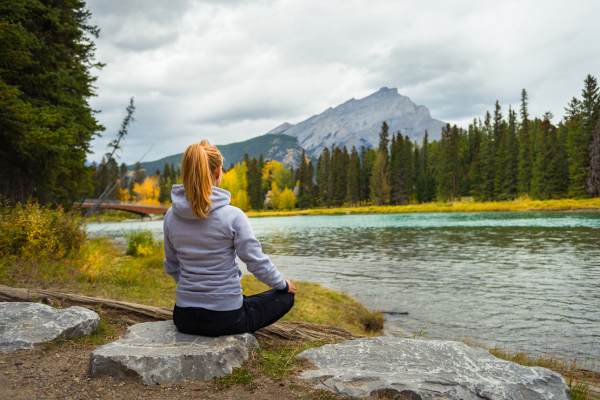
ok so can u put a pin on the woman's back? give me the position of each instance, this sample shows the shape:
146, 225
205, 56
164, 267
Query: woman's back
203, 235
201, 253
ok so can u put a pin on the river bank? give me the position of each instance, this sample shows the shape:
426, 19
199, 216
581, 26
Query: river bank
519, 205
100, 269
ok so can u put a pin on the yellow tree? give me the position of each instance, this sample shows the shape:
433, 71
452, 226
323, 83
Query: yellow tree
234, 181
274, 171
281, 200
147, 192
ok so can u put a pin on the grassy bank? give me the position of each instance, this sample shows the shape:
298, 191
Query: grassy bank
519, 205
48, 249
97, 268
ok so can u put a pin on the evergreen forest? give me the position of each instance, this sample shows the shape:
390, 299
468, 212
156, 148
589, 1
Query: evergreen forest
47, 126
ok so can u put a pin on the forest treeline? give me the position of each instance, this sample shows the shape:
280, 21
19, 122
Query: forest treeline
500, 157
497, 158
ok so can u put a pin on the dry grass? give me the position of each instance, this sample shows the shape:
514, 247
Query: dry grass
101, 270
518, 205
320, 305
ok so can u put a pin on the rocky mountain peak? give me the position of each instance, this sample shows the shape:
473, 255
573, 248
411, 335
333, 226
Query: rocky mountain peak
358, 122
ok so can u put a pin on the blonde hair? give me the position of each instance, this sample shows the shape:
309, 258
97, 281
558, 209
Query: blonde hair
200, 163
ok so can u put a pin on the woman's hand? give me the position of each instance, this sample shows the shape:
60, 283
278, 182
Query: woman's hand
291, 287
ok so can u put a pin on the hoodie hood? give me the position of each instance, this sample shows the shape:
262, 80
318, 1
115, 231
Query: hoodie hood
181, 205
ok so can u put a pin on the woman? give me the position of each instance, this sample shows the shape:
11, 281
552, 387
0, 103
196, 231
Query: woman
203, 235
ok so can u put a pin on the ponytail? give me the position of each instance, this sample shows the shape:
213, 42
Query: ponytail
200, 163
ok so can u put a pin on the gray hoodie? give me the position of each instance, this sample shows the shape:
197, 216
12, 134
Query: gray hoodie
200, 254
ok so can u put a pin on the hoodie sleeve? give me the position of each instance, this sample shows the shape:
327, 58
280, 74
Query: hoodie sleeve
250, 252
171, 262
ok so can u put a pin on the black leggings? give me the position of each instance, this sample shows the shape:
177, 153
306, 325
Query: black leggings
258, 311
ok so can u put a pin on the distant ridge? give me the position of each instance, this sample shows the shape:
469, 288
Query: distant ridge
358, 122
282, 148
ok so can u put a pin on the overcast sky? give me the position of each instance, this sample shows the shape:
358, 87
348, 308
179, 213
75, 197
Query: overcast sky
230, 70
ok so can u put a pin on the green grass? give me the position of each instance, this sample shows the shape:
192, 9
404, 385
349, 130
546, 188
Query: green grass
277, 362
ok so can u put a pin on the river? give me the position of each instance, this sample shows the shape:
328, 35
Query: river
522, 280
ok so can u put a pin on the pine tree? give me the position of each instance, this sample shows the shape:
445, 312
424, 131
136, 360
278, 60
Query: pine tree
174, 173
501, 173
367, 159
464, 164
383, 139
407, 167
417, 171
379, 180
425, 184
341, 172
525, 150
546, 183
46, 122
303, 190
499, 126
255, 184
396, 174
379, 185
474, 139
310, 184
487, 166
511, 159
353, 178
323, 166
446, 167
580, 138
593, 183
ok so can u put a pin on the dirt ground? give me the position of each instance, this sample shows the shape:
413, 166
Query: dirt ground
61, 372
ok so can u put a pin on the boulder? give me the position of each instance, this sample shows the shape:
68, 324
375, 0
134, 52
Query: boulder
424, 369
23, 325
155, 352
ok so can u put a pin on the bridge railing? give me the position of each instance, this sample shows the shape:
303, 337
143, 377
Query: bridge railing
118, 203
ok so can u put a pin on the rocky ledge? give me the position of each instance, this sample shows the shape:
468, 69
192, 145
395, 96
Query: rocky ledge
420, 369
23, 325
155, 352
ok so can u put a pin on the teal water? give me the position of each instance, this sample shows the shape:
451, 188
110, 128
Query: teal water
525, 280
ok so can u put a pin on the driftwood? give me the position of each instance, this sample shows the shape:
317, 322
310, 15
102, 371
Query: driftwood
132, 313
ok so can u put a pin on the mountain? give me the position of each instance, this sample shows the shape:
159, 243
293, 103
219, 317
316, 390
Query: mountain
280, 147
358, 122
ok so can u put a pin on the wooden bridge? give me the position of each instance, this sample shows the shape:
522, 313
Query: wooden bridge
124, 206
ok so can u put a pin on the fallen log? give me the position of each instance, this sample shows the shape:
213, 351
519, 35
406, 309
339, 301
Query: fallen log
282, 330
40, 295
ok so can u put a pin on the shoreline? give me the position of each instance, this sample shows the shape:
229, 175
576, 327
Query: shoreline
519, 205
526, 205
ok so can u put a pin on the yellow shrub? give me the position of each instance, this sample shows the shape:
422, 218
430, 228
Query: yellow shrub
36, 229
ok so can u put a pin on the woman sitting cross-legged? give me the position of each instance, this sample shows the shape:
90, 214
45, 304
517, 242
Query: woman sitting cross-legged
203, 235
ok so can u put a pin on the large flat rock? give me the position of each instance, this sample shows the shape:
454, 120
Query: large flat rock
427, 369
155, 352
23, 325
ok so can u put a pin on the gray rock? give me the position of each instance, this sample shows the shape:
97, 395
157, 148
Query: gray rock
155, 352
23, 325
358, 123
423, 369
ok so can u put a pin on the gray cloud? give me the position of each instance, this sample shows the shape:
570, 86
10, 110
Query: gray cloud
231, 70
